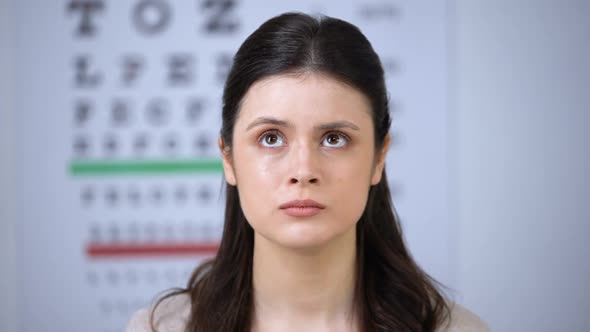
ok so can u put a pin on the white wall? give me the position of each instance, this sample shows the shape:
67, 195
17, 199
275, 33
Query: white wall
521, 96
8, 298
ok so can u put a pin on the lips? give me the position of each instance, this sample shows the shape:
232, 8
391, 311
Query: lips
302, 204
302, 208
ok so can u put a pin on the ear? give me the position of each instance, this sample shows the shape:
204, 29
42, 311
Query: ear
380, 161
228, 170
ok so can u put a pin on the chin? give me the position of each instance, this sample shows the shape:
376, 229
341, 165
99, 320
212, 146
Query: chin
305, 238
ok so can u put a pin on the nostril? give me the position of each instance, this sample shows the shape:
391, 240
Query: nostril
295, 180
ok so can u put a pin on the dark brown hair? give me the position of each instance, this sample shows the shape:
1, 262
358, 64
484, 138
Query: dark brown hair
392, 293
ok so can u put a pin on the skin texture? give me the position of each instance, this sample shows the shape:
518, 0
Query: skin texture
304, 136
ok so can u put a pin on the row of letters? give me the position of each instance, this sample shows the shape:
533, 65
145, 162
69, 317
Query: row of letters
150, 233
143, 145
123, 112
152, 17
133, 196
180, 70
130, 277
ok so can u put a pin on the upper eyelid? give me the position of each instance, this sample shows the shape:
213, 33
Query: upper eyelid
270, 131
337, 132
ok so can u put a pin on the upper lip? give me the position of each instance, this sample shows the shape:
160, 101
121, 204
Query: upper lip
302, 203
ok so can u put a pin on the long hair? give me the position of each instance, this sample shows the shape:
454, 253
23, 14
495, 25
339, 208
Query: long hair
391, 293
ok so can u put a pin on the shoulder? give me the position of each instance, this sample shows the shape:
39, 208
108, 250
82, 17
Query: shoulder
463, 320
170, 316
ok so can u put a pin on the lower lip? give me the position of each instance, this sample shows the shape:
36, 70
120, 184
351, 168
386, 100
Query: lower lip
302, 211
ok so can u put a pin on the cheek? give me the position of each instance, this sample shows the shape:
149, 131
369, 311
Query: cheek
355, 171
252, 167
353, 183
258, 180
352, 193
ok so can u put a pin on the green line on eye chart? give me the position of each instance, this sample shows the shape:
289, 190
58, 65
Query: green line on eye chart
93, 168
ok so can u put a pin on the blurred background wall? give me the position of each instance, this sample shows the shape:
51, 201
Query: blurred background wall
520, 92
518, 83
8, 283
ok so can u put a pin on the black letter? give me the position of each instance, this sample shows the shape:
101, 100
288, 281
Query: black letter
83, 77
157, 112
86, 8
82, 112
180, 69
132, 66
81, 146
220, 20
194, 110
224, 62
120, 112
151, 16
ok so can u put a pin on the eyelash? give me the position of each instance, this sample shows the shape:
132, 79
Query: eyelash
278, 133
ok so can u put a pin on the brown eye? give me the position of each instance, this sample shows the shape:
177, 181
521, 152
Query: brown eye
271, 139
335, 140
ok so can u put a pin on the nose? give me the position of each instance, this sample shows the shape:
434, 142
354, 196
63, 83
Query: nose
305, 165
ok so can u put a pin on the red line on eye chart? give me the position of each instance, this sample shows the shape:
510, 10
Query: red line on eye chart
97, 250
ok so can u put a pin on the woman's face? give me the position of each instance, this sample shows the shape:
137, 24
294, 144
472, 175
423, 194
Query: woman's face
297, 138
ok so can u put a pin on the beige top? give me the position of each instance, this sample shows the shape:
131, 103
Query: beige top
172, 315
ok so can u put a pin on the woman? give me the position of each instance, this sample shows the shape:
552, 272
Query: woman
311, 241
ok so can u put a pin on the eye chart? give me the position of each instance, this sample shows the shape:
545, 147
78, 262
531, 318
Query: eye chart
118, 111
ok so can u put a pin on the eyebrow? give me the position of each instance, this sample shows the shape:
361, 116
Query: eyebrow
323, 126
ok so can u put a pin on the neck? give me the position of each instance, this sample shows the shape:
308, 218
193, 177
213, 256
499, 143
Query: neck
312, 285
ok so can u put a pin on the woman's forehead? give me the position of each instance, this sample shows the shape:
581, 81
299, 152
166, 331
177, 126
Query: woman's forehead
307, 96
